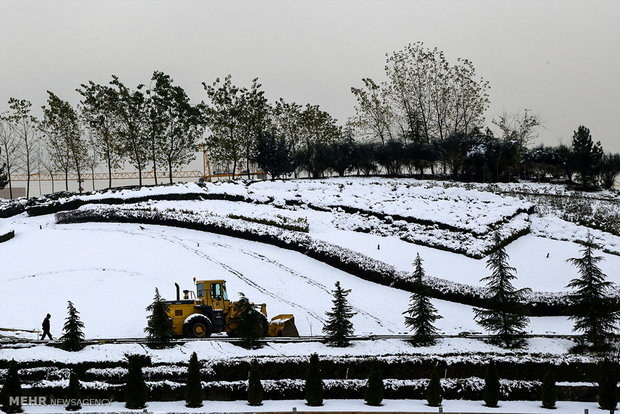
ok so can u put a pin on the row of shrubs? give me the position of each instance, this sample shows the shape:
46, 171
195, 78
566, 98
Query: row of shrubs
518, 368
539, 303
313, 387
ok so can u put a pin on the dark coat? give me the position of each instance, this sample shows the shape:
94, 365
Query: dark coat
46, 324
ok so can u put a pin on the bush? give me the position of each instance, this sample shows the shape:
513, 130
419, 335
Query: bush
255, 387
608, 385
193, 385
11, 388
136, 392
314, 383
548, 392
491, 386
434, 391
74, 393
374, 386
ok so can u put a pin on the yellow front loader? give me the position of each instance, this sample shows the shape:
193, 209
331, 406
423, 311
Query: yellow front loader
208, 310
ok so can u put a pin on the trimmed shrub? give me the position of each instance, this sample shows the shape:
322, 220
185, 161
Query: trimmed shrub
11, 388
374, 386
549, 394
608, 385
314, 383
74, 393
136, 392
255, 387
490, 393
434, 391
193, 385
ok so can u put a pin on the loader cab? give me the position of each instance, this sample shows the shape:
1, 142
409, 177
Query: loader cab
213, 293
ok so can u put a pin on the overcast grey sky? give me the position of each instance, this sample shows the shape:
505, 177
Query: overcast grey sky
561, 59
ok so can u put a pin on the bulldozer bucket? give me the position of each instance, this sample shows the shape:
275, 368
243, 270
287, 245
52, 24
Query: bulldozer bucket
282, 325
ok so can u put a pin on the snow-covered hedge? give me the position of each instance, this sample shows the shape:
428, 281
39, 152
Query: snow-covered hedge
540, 303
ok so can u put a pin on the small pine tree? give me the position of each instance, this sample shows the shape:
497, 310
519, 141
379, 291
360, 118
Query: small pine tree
590, 306
314, 383
72, 331
255, 387
587, 156
548, 392
490, 394
339, 327
193, 385
136, 392
159, 331
421, 313
505, 314
252, 324
11, 388
374, 386
74, 393
608, 385
434, 391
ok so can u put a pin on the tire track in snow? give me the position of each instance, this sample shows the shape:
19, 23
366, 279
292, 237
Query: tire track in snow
152, 232
314, 283
86, 269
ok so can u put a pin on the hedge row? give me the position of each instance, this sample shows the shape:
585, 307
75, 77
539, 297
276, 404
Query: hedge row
57, 206
461, 389
539, 303
7, 236
403, 367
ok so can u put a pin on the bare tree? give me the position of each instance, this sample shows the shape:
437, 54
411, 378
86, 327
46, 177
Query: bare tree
9, 144
374, 116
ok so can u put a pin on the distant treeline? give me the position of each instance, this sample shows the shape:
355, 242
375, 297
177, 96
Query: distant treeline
427, 117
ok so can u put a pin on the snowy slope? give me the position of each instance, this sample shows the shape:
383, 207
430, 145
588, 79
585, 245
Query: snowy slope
110, 272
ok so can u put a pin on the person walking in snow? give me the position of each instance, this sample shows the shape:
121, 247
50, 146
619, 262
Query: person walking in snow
46, 327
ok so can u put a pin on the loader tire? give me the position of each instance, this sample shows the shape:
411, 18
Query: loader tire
199, 327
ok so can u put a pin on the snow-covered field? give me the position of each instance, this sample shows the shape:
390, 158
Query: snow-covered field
110, 270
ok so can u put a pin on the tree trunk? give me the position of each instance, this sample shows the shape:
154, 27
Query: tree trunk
154, 165
109, 173
170, 168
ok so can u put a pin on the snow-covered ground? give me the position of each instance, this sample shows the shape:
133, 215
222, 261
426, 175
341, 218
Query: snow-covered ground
110, 271
401, 406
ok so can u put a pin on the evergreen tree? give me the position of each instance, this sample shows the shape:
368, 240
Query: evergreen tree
339, 326
252, 324
434, 391
11, 388
587, 156
594, 312
74, 393
421, 313
193, 385
374, 386
314, 383
505, 315
136, 392
490, 393
72, 331
609, 374
273, 155
159, 331
548, 392
255, 387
